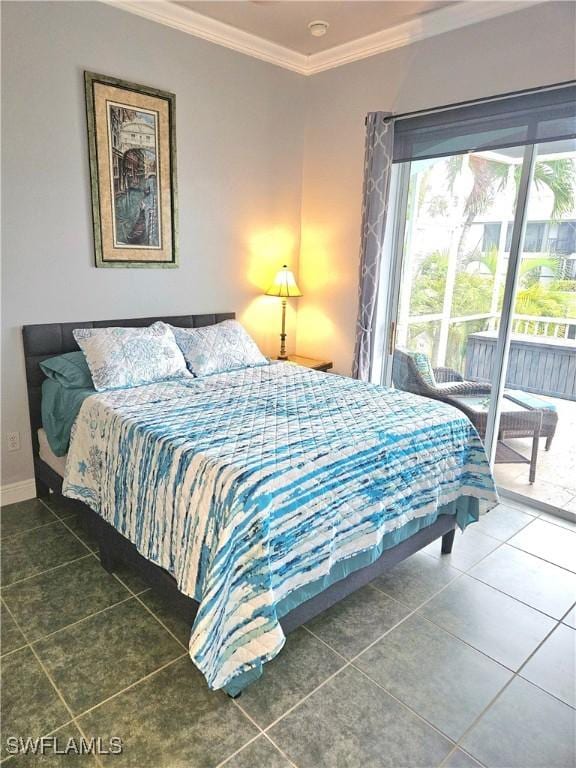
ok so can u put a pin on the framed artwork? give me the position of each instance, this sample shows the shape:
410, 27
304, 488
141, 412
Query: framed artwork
132, 147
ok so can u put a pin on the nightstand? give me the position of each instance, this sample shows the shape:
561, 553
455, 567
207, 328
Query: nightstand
311, 362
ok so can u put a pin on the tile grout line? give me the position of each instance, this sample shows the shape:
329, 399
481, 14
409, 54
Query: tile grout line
504, 541
80, 621
284, 755
51, 680
137, 596
476, 578
514, 674
407, 707
261, 733
14, 650
53, 732
468, 570
162, 624
539, 557
132, 595
129, 687
36, 527
457, 747
554, 618
493, 701
571, 524
17, 534
63, 521
414, 611
456, 637
349, 662
506, 686
379, 685
48, 570
324, 643
159, 620
558, 622
239, 750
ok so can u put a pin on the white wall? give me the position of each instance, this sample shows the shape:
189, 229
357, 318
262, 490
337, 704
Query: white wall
239, 141
521, 50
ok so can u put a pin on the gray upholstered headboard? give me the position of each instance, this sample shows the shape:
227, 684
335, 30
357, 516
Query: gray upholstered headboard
48, 340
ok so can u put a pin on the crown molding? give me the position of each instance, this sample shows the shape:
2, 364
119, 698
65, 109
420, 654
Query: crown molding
177, 17
438, 22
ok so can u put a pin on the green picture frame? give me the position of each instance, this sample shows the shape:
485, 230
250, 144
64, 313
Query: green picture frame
132, 154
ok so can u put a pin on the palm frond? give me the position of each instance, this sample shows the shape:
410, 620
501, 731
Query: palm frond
454, 167
489, 177
560, 178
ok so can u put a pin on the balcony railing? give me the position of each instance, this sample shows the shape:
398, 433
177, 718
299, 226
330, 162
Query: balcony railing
529, 325
542, 326
542, 365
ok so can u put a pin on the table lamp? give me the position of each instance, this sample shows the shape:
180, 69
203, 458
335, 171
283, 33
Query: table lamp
285, 287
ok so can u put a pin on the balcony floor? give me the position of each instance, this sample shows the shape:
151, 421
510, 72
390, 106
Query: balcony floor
555, 482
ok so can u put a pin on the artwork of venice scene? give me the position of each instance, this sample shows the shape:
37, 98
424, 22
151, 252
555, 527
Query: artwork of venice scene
132, 151
134, 161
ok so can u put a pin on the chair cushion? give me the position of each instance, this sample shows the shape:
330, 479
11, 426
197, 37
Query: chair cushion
528, 400
424, 367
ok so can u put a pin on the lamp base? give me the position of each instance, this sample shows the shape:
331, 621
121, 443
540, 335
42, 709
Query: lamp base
282, 357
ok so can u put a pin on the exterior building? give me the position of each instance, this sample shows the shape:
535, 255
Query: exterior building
137, 134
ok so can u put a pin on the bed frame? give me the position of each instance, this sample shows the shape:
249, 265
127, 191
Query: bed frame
43, 341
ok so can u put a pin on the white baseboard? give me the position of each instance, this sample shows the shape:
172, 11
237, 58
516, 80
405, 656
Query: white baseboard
14, 492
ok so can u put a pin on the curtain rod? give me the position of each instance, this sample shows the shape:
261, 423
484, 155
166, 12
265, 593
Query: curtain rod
470, 102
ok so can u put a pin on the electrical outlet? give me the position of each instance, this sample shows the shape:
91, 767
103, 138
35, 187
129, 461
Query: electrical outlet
13, 439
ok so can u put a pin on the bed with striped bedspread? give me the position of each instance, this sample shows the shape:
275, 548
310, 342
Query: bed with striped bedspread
250, 485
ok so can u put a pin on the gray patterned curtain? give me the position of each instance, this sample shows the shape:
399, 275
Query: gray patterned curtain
377, 168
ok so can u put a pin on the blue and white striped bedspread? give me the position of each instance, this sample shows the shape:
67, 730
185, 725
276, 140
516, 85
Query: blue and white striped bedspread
248, 485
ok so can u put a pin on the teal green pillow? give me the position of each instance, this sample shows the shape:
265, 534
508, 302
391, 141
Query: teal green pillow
424, 367
60, 406
70, 370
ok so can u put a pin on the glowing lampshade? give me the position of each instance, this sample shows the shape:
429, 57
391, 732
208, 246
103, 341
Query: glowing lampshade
284, 285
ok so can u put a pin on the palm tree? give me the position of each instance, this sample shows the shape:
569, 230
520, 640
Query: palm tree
560, 178
491, 177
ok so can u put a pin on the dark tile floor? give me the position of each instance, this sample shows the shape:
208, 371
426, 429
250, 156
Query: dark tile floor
454, 661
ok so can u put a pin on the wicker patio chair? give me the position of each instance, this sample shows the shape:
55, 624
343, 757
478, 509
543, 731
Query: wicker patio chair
450, 385
406, 376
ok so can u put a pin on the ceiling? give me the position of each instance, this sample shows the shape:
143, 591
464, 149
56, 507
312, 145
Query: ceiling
277, 30
286, 22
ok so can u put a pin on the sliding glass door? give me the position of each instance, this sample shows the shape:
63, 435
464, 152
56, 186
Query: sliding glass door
482, 313
540, 374
453, 263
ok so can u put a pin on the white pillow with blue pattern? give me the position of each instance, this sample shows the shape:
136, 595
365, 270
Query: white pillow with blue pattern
130, 357
424, 367
225, 346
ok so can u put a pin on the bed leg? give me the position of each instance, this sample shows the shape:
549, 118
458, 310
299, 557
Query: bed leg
448, 541
235, 696
42, 490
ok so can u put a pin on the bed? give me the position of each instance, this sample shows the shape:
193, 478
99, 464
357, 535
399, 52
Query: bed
255, 499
